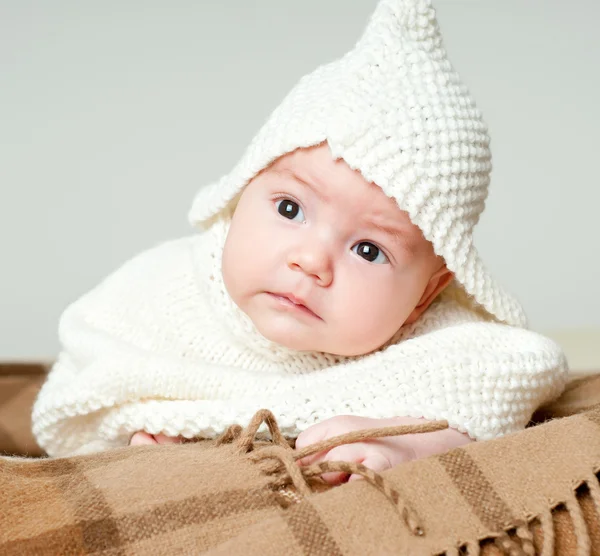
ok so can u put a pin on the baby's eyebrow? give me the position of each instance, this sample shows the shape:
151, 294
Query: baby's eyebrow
388, 230
291, 174
396, 234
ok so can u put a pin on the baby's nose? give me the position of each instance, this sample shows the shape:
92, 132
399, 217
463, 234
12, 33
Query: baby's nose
314, 260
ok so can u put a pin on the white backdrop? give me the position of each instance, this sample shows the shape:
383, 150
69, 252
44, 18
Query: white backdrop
113, 113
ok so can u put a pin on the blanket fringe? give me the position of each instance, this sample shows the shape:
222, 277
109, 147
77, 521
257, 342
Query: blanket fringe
292, 482
547, 527
594, 489
581, 533
509, 546
473, 549
522, 541
526, 537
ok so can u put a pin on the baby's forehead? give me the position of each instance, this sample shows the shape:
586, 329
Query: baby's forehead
334, 180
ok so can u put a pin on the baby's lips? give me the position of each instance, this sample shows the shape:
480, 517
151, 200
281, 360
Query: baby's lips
296, 301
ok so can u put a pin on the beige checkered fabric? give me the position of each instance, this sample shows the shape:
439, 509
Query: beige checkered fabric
19, 384
533, 492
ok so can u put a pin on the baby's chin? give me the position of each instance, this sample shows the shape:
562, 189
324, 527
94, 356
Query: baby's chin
298, 338
288, 336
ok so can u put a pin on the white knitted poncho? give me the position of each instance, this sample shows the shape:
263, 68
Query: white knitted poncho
159, 346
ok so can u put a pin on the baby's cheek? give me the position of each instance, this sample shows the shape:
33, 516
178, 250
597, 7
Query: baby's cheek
372, 320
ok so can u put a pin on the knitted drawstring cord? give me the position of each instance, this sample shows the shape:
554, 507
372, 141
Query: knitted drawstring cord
280, 461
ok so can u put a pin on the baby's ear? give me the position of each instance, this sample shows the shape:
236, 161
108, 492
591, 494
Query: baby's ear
437, 284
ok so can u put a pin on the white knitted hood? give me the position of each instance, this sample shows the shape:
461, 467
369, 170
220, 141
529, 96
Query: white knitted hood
394, 109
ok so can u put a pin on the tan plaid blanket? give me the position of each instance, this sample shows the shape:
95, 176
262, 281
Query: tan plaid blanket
533, 492
19, 385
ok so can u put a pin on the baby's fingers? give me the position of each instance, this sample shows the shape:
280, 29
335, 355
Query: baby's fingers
312, 435
164, 439
142, 439
347, 453
375, 461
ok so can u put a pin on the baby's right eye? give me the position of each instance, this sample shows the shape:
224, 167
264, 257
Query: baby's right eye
290, 209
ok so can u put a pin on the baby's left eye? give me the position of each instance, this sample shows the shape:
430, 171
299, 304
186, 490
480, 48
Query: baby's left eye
370, 252
289, 209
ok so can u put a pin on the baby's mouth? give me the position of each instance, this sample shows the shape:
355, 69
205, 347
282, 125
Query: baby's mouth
293, 302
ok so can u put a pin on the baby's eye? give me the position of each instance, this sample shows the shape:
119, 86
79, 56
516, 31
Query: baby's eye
370, 252
290, 209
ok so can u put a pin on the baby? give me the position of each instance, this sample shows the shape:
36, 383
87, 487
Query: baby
335, 281
322, 260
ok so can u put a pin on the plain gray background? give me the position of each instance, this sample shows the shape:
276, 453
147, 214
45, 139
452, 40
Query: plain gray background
113, 113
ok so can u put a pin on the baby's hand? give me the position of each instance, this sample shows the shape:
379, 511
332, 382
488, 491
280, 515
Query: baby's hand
377, 454
143, 438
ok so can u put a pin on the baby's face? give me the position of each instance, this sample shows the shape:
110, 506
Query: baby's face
322, 260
